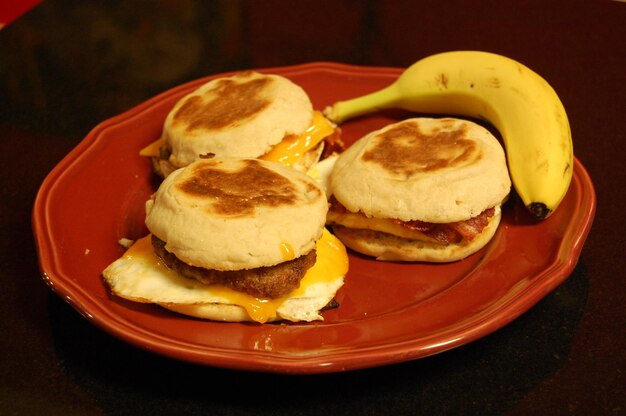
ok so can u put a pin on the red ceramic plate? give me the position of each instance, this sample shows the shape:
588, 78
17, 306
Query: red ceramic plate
390, 312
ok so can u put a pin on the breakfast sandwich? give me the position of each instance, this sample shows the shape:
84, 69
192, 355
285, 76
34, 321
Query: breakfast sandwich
246, 115
233, 239
422, 189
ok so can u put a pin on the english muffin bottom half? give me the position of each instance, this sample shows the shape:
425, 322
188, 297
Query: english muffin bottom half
234, 239
422, 189
246, 115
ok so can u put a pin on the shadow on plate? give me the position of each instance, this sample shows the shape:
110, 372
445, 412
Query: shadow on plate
488, 376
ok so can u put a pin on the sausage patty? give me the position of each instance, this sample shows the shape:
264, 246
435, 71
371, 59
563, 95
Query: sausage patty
264, 282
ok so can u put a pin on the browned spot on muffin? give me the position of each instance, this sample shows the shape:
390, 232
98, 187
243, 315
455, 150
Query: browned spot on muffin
406, 150
234, 101
239, 192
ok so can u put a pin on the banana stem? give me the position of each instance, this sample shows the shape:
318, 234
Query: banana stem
377, 100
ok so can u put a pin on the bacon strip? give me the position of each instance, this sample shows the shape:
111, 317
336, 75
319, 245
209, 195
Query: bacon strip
333, 144
447, 233
471, 228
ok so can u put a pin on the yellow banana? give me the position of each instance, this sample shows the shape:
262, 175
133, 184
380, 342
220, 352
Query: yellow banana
514, 99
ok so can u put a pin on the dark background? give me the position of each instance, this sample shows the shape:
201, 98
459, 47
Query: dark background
65, 66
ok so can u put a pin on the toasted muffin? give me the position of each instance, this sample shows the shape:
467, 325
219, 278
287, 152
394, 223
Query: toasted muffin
422, 189
246, 115
234, 240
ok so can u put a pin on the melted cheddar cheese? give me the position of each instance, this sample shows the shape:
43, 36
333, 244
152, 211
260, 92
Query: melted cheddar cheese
153, 149
287, 251
293, 147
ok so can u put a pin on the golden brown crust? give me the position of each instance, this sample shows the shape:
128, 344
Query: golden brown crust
233, 102
406, 150
240, 192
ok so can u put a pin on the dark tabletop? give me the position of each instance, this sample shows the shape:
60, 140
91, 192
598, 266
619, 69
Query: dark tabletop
65, 66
